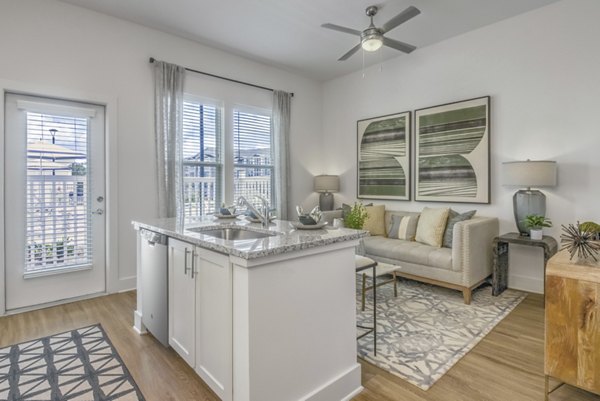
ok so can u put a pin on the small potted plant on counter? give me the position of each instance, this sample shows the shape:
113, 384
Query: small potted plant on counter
536, 223
357, 216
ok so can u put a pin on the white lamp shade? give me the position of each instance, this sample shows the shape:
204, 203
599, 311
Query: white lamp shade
530, 173
327, 183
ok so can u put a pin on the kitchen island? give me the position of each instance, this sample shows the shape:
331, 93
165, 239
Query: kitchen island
261, 313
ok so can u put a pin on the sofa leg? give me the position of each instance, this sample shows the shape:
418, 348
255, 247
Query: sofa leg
467, 296
395, 285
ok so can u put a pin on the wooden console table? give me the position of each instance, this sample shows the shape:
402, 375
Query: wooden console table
500, 268
572, 347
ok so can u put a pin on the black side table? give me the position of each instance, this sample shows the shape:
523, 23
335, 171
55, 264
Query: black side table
500, 268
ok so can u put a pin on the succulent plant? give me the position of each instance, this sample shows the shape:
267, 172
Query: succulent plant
536, 222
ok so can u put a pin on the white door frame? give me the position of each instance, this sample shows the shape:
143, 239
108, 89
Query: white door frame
112, 218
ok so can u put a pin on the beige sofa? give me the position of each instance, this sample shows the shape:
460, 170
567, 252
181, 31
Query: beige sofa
463, 267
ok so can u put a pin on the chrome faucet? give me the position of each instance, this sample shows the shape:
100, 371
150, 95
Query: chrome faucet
264, 216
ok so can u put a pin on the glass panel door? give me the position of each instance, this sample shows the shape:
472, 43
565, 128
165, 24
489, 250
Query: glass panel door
54, 197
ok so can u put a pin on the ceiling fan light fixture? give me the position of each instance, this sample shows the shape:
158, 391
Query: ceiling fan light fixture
372, 43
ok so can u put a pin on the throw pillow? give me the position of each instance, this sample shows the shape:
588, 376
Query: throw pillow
431, 226
453, 218
375, 223
403, 227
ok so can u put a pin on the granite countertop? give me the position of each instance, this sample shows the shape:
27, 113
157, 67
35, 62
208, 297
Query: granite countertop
286, 238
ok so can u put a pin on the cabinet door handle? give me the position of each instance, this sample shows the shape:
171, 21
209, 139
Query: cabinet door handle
185, 262
193, 263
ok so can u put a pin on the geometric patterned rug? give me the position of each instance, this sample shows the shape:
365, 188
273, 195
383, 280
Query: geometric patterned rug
423, 332
77, 365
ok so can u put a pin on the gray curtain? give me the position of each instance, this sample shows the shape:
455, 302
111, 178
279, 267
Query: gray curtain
280, 128
168, 123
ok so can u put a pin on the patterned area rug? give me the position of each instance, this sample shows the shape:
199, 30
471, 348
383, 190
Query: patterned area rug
77, 365
423, 332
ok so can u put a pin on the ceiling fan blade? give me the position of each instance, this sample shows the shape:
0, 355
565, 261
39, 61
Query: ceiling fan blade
342, 29
401, 18
350, 53
396, 44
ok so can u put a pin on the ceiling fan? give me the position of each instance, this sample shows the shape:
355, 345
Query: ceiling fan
372, 38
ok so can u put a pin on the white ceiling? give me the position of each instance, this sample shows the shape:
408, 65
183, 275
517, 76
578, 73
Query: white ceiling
287, 33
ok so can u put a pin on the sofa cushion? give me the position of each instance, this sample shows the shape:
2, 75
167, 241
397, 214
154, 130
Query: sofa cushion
453, 218
403, 227
408, 251
432, 223
375, 223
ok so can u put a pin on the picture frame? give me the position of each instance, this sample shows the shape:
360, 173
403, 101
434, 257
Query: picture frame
452, 152
384, 146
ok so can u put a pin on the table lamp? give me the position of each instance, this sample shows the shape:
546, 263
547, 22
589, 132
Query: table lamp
326, 184
529, 173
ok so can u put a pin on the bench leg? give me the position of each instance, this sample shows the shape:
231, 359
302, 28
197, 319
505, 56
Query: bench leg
467, 296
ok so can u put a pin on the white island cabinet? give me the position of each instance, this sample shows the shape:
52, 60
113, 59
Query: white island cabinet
200, 313
182, 300
265, 319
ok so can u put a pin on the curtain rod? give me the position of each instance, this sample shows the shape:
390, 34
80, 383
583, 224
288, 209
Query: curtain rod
152, 60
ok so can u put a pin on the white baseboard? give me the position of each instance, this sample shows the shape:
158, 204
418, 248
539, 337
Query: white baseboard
124, 284
138, 326
343, 387
524, 283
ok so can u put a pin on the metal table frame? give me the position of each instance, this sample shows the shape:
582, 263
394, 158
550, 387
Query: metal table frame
370, 329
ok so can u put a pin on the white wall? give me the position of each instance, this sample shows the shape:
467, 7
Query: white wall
542, 70
67, 49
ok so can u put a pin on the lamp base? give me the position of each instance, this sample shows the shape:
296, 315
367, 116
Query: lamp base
326, 201
525, 203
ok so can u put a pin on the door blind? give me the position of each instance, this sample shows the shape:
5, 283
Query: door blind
58, 224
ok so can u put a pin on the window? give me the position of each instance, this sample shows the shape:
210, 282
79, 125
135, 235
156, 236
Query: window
252, 156
249, 161
202, 168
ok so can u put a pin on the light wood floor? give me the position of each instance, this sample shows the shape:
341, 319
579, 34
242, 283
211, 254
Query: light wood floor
507, 365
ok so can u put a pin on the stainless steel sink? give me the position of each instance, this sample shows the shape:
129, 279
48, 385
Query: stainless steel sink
232, 234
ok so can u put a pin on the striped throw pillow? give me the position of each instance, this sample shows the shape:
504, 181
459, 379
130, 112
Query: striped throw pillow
403, 227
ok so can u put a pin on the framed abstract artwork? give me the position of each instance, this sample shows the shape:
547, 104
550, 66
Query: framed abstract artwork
384, 157
452, 152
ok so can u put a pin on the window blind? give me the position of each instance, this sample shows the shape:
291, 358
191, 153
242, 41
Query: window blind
253, 155
201, 158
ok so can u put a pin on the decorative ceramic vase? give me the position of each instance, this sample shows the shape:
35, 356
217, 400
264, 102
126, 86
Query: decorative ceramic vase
536, 234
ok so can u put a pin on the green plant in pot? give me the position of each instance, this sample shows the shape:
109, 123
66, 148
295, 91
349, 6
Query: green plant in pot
356, 217
591, 228
535, 223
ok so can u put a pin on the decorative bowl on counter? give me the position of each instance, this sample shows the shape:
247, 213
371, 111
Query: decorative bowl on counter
225, 210
309, 219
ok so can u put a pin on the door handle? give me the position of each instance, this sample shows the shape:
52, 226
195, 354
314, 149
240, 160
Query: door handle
98, 211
